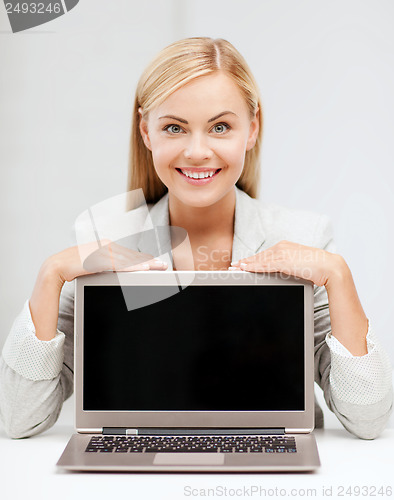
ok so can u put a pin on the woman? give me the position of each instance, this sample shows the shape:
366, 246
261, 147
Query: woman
197, 113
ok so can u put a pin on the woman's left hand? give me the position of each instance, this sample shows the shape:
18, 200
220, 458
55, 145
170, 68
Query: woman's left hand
349, 323
293, 259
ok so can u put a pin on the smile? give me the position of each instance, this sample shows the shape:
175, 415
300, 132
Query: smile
198, 178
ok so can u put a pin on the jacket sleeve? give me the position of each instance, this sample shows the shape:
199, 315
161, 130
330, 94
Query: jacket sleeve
36, 376
358, 389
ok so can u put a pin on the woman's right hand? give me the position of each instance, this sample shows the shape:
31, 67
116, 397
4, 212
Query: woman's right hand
92, 258
66, 265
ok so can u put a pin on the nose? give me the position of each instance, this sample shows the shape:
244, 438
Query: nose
197, 149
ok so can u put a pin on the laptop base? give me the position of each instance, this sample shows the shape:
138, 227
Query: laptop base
74, 458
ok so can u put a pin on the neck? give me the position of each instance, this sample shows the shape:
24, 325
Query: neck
213, 220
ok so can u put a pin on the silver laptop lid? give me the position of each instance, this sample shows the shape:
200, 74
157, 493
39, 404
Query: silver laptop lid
193, 349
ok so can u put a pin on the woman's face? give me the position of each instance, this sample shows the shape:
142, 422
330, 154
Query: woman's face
202, 127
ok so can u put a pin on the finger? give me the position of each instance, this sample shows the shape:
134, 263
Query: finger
155, 264
124, 251
130, 252
121, 257
258, 267
107, 260
248, 260
112, 258
136, 267
129, 255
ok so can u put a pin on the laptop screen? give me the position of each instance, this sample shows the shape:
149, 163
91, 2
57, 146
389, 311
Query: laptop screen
203, 348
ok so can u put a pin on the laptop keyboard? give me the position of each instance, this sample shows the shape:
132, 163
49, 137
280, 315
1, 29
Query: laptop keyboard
212, 444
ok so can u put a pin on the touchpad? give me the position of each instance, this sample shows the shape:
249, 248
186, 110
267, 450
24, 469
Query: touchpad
188, 459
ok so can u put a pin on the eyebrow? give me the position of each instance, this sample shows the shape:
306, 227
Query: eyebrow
187, 123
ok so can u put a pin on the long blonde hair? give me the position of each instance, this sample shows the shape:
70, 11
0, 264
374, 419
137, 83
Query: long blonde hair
176, 65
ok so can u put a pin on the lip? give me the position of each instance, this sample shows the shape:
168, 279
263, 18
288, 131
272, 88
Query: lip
199, 182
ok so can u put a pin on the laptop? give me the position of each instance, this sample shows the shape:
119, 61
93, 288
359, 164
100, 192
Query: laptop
193, 371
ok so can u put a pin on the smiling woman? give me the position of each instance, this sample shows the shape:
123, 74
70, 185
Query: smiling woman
195, 146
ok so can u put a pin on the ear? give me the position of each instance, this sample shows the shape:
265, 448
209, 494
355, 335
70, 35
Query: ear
254, 130
144, 130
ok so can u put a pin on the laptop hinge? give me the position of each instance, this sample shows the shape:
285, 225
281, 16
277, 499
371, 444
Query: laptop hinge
152, 431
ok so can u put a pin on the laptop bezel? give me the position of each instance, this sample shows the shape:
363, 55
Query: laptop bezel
291, 421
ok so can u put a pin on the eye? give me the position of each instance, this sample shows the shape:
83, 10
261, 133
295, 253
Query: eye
175, 128
221, 128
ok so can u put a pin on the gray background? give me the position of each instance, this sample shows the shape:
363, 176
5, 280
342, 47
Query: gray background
326, 74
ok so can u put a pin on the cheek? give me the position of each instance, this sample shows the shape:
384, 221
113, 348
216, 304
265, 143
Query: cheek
163, 152
232, 152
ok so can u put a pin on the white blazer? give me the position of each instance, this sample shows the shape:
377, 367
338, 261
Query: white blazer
357, 389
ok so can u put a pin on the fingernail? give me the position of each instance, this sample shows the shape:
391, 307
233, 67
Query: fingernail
233, 268
145, 266
243, 264
234, 263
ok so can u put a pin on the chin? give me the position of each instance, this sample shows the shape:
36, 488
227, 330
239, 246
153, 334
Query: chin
198, 200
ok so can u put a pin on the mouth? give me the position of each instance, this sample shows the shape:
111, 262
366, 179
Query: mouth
199, 182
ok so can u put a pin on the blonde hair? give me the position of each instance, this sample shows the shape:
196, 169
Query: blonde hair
175, 66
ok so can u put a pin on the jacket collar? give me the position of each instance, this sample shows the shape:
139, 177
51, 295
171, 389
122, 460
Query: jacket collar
248, 239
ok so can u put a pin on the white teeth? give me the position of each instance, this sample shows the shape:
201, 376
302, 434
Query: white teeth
196, 175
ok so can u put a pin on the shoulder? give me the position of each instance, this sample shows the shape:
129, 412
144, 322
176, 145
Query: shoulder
306, 227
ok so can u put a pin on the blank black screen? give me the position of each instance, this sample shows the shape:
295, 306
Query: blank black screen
207, 347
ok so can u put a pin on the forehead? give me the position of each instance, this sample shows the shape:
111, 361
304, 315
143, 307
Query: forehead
207, 94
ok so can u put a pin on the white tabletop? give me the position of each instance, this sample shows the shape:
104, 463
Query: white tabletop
28, 471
